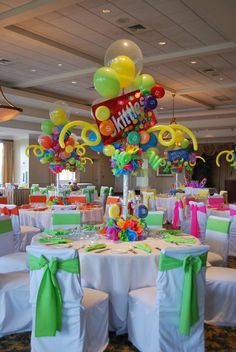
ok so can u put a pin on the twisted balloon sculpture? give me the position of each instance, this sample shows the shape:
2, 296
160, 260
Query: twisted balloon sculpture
230, 157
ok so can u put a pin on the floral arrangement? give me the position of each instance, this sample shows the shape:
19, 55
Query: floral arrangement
131, 229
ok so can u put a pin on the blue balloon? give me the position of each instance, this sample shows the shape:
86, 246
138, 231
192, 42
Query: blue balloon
98, 148
151, 143
142, 211
92, 137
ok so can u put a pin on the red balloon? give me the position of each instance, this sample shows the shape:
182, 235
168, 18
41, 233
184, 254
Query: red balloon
45, 141
158, 91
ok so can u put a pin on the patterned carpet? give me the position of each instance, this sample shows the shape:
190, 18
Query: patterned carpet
218, 339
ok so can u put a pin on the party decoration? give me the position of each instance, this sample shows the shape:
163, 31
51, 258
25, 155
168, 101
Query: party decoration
125, 68
144, 81
70, 156
127, 114
106, 82
230, 157
130, 229
124, 47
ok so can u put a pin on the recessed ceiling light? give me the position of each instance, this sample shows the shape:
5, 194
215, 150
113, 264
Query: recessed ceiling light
161, 108
105, 11
33, 70
59, 65
193, 62
221, 78
74, 82
162, 43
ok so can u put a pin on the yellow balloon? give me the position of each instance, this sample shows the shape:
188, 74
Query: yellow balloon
154, 149
164, 129
58, 116
102, 113
114, 211
176, 126
43, 161
125, 68
109, 150
86, 128
69, 149
179, 136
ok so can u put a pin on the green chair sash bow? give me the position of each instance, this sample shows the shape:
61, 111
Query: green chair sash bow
49, 300
189, 313
88, 192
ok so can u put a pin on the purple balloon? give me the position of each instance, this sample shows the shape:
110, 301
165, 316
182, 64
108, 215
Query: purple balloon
150, 102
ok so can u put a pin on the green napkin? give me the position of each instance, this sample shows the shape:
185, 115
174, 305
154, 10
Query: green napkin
144, 247
95, 246
172, 238
89, 228
170, 232
62, 232
54, 240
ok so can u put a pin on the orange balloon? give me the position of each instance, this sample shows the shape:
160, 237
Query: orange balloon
145, 136
106, 128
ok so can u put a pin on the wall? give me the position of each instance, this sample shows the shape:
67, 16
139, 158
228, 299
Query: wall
21, 162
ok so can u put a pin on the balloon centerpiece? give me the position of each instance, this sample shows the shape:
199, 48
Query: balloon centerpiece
48, 151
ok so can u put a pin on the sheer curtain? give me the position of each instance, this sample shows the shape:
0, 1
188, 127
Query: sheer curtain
8, 162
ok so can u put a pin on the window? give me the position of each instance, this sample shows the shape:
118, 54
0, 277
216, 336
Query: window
65, 176
1, 161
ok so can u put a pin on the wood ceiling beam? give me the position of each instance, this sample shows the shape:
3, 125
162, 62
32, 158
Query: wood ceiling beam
206, 88
32, 9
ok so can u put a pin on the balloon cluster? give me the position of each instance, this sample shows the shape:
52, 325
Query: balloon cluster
48, 151
124, 62
230, 157
180, 155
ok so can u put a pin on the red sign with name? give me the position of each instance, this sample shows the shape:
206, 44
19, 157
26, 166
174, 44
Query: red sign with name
127, 113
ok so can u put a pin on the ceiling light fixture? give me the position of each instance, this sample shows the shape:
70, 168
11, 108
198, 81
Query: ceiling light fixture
162, 43
59, 65
193, 62
74, 82
106, 11
33, 70
8, 111
161, 108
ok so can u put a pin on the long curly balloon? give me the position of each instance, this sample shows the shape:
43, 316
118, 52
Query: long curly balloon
86, 127
37, 150
229, 156
201, 158
153, 159
188, 132
163, 129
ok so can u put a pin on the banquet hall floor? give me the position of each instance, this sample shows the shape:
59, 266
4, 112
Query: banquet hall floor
218, 339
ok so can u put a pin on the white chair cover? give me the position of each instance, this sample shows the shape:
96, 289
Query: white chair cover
232, 237
220, 296
22, 234
217, 238
15, 313
154, 313
83, 328
6, 236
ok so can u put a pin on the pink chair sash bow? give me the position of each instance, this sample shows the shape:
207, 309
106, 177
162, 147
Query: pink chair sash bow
177, 207
194, 228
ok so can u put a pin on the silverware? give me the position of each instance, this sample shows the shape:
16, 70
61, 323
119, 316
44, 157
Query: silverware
132, 251
101, 250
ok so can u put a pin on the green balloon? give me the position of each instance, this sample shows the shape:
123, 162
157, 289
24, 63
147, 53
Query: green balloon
47, 126
143, 82
106, 82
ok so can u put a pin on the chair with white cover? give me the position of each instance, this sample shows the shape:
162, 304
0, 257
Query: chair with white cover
155, 219
10, 260
63, 314
23, 234
220, 307
16, 312
66, 219
232, 237
217, 238
195, 225
170, 316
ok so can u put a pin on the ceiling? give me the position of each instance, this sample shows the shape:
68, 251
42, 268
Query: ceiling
50, 44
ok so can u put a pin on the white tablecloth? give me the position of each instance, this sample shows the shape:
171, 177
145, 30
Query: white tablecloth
43, 219
118, 271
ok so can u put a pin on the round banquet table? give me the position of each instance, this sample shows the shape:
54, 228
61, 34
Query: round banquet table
43, 219
119, 270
